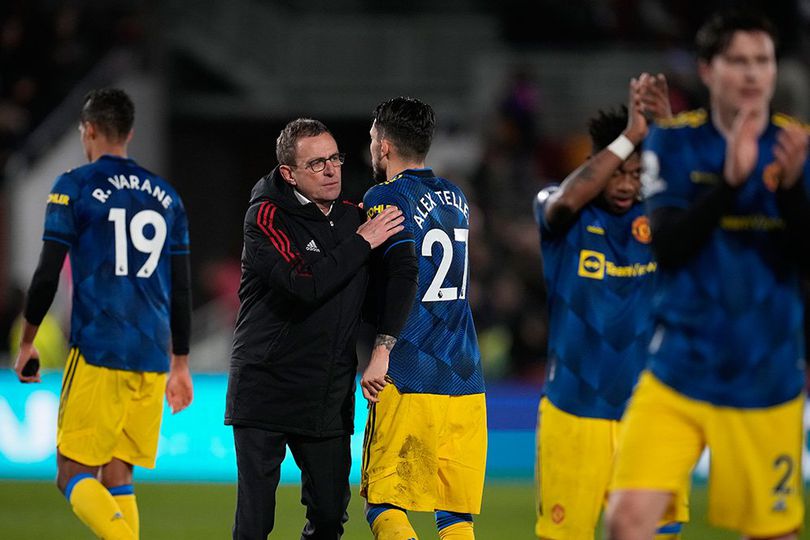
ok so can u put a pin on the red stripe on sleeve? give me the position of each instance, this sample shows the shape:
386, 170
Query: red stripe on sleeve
264, 220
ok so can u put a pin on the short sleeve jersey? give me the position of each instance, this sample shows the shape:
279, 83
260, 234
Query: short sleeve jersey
437, 350
600, 276
121, 224
729, 321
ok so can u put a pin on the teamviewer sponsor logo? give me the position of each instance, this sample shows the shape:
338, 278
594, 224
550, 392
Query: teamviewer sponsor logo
591, 264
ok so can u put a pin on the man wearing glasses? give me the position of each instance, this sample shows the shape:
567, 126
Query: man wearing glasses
293, 364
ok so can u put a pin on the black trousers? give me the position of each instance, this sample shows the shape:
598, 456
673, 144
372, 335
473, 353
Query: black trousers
324, 464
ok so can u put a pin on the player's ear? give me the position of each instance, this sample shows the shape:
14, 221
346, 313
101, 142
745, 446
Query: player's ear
704, 71
89, 130
385, 147
286, 174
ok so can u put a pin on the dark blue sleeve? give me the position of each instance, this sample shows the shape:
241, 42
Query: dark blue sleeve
178, 238
377, 199
60, 214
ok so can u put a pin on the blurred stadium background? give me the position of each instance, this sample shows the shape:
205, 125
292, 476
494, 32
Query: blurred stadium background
214, 81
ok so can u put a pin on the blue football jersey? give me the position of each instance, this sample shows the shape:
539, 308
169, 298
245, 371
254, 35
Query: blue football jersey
437, 350
122, 223
729, 321
600, 275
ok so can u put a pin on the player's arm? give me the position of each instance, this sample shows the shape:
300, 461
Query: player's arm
790, 153
284, 269
400, 280
43, 288
179, 388
584, 184
678, 233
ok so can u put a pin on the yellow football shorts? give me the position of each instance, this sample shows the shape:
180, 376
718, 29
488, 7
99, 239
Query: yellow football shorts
425, 452
109, 413
572, 473
755, 474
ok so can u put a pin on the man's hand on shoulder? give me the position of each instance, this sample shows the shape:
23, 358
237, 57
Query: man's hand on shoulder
386, 224
179, 389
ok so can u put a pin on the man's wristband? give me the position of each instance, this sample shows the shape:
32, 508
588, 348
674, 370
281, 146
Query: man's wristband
622, 147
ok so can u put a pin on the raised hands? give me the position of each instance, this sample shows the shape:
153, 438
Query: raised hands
654, 96
649, 99
790, 152
742, 150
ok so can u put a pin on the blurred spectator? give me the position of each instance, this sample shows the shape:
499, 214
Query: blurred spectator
45, 49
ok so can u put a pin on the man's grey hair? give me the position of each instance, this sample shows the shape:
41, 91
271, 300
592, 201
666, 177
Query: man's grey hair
292, 133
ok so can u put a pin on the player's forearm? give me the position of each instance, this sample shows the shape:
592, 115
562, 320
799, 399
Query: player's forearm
179, 362
678, 234
580, 188
29, 332
45, 281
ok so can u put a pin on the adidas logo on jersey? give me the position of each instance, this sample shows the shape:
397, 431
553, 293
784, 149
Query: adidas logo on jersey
312, 247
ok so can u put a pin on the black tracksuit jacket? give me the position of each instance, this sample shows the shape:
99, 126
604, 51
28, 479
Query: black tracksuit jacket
304, 275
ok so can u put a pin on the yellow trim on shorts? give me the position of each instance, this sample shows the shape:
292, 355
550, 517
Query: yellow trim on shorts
67, 382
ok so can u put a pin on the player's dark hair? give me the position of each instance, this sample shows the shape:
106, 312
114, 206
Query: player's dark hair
715, 35
408, 123
606, 126
300, 128
111, 111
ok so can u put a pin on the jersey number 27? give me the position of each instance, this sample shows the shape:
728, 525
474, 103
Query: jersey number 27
435, 292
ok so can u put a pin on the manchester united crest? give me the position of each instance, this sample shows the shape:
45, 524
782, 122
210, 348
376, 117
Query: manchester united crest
557, 513
641, 229
771, 176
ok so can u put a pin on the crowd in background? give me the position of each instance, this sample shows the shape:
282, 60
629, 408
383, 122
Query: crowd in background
44, 50
46, 47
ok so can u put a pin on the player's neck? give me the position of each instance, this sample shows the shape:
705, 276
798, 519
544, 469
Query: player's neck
108, 150
723, 120
396, 166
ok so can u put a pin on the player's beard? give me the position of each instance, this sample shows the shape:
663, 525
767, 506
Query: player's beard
377, 171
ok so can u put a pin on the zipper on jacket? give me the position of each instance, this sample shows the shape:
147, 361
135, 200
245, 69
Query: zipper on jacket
330, 380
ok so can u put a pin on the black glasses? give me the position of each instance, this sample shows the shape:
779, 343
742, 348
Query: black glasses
319, 164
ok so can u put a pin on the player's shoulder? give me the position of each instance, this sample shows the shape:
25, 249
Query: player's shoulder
145, 173
384, 190
78, 174
684, 121
782, 120
449, 185
69, 184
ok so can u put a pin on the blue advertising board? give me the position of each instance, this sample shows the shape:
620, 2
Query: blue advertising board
195, 445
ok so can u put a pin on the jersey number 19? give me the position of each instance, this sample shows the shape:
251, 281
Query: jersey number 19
151, 246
